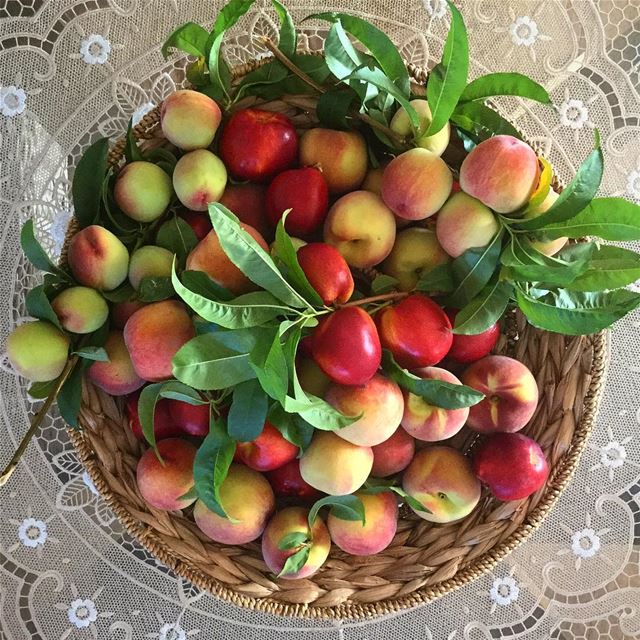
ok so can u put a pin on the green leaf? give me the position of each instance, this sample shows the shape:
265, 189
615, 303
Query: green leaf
177, 236
40, 390
382, 486
286, 252
211, 466
248, 411
606, 218
288, 39
333, 107
98, 354
38, 306
269, 363
295, 562
69, 397
383, 283
31, 248
189, 37
155, 288
448, 78
575, 197
482, 121
174, 390
439, 279
191, 495
123, 293
147, 400
249, 310
574, 312
472, 270
293, 540
435, 392
88, 177
484, 310
505, 84
410, 500
609, 268
207, 362
255, 82
250, 257
131, 151
343, 507
199, 282
377, 42
292, 426
342, 57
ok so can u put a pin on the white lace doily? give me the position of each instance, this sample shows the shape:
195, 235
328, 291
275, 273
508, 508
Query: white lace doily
71, 71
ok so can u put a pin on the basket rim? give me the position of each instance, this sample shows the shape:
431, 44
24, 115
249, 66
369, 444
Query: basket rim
563, 473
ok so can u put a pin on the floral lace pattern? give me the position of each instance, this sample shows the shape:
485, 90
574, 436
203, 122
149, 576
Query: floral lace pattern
74, 70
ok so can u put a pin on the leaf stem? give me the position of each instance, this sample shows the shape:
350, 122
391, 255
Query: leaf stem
396, 295
36, 422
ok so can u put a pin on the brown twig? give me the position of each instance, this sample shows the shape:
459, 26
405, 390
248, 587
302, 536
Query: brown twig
395, 295
36, 422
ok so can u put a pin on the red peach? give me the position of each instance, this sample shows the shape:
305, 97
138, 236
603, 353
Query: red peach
469, 348
117, 377
287, 482
327, 272
122, 311
163, 424
268, 451
192, 419
247, 201
199, 221
393, 455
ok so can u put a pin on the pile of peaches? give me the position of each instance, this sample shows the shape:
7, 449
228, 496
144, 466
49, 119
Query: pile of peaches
346, 218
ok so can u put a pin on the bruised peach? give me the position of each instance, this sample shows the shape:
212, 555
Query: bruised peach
117, 376
149, 262
199, 178
379, 400
393, 455
294, 520
154, 334
247, 499
511, 394
189, 119
502, 172
80, 309
143, 191
441, 479
381, 521
162, 484
427, 422
335, 466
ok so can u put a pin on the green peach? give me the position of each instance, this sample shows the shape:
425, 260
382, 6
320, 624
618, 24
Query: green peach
149, 262
436, 143
549, 247
143, 191
80, 309
199, 178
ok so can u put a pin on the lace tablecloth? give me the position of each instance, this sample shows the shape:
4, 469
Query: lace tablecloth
73, 70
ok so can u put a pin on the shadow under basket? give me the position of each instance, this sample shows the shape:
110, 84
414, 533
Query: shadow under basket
425, 560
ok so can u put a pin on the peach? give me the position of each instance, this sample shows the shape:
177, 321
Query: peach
117, 376
511, 394
362, 228
441, 479
149, 262
80, 309
38, 351
381, 522
143, 191
161, 484
191, 419
311, 377
380, 402
401, 124
122, 311
502, 172
209, 256
427, 422
295, 520
549, 247
472, 347
288, 483
247, 201
164, 425
415, 250
416, 184
199, 178
373, 181
340, 155
327, 272
465, 223
268, 451
333, 465
189, 119
247, 517
393, 455
97, 258
153, 336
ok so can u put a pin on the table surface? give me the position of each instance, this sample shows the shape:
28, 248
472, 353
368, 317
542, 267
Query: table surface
72, 71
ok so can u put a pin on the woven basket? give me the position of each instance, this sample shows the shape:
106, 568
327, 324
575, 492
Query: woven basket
425, 560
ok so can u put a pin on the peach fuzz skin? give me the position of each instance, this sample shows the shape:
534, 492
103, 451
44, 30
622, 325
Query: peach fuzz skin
511, 394
154, 334
294, 520
335, 466
161, 485
189, 119
143, 191
199, 178
426, 422
393, 455
502, 172
118, 376
381, 521
380, 402
80, 309
209, 256
441, 479
416, 184
97, 258
246, 497
340, 155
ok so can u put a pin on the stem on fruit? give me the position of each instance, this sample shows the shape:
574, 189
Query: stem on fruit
36, 422
396, 295
374, 124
